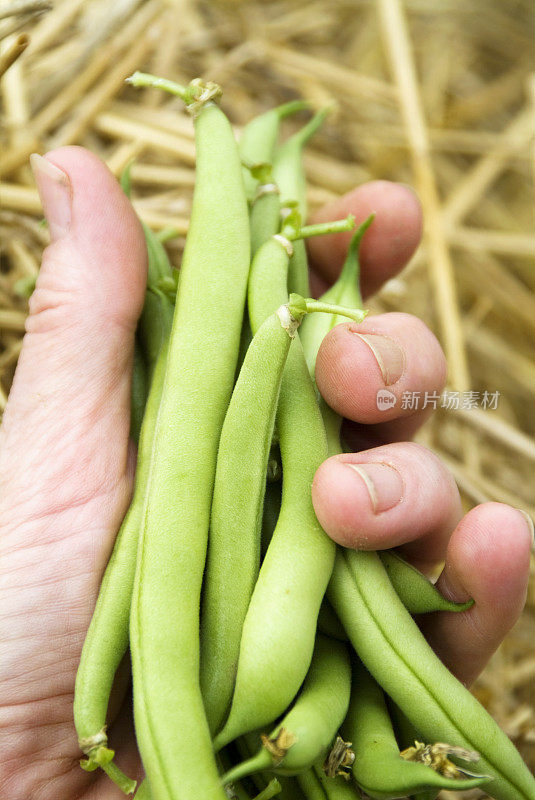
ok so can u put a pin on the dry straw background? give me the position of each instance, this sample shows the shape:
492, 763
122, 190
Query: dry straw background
437, 94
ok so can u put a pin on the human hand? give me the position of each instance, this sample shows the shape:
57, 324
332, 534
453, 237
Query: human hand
66, 474
66, 465
400, 494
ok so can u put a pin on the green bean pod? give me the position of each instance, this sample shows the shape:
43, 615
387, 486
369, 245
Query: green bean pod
278, 632
298, 280
289, 175
107, 638
264, 222
379, 769
308, 729
236, 515
288, 170
416, 592
396, 653
265, 215
268, 280
259, 137
171, 727
285, 599
345, 291
333, 428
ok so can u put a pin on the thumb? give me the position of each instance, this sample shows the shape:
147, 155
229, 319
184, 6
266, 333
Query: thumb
65, 429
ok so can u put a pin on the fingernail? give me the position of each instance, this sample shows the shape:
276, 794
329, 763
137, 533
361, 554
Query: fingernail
389, 356
55, 191
384, 484
530, 526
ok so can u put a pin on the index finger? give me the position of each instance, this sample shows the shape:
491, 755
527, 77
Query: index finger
387, 245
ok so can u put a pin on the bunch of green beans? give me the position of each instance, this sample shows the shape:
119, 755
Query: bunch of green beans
258, 648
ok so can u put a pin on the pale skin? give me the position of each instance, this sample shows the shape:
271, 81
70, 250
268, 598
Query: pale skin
66, 465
